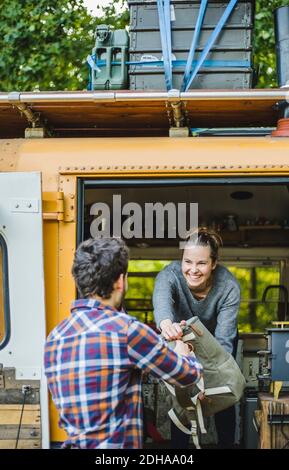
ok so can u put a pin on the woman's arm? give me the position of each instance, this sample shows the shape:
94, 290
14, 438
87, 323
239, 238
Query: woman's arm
164, 306
149, 353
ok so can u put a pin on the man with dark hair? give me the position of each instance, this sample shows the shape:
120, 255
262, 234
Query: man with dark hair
94, 358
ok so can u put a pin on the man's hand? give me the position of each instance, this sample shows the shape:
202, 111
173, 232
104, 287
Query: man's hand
171, 331
182, 348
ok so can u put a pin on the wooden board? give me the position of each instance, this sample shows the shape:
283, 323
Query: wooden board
10, 414
27, 432
138, 113
30, 431
274, 436
22, 444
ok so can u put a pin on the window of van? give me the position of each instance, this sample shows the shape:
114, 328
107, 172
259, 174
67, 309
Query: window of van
4, 295
255, 315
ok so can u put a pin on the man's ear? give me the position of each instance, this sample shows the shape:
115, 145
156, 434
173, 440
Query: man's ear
119, 283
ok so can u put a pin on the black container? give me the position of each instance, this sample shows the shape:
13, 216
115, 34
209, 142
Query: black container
281, 16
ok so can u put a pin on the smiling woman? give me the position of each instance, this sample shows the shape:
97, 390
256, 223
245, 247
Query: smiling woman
199, 286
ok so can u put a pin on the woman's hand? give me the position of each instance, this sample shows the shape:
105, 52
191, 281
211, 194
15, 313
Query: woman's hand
172, 331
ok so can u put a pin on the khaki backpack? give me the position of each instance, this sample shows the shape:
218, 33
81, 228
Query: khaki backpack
222, 382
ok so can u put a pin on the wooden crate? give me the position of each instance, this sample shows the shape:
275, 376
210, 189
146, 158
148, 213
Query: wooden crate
273, 436
30, 433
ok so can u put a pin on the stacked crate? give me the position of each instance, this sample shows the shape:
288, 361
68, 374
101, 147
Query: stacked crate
233, 44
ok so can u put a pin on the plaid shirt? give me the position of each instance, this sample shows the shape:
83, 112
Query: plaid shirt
93, 363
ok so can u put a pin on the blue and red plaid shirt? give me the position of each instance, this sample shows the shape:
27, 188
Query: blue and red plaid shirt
93, 363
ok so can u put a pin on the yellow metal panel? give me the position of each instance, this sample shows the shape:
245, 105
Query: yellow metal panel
53, 205
152, 156
51, 270
62, 242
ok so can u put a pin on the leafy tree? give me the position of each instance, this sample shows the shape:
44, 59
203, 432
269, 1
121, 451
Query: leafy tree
115, 14
264, 41
43, 44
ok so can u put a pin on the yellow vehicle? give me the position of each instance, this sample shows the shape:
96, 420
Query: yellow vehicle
60, 153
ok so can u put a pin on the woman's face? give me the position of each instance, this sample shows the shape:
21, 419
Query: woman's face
197, 267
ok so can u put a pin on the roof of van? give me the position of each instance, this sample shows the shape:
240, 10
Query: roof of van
137, 113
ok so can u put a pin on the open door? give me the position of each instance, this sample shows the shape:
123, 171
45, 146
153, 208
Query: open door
22, 312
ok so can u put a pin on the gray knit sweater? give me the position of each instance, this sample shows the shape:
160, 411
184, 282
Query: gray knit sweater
173, 299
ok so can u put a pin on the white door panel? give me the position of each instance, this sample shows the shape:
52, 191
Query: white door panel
21, 228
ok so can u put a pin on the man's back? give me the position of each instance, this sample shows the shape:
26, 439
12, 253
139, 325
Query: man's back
93, 363
88, 355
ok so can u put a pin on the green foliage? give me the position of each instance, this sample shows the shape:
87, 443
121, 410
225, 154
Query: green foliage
264, 42
141, 288
116, 14
44, 44
263, 314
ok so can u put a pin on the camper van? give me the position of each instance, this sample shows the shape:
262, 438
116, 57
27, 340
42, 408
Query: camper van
62, 153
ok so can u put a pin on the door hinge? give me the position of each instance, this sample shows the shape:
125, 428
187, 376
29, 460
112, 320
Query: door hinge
53, 205
2, 380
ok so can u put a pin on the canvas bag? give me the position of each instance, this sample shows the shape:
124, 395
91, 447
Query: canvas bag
222, 382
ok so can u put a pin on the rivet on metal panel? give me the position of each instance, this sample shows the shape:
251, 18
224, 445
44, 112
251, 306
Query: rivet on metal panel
140, 167
92, 168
